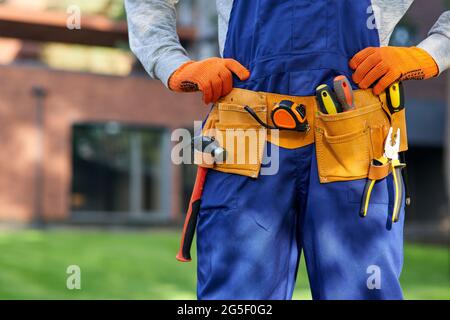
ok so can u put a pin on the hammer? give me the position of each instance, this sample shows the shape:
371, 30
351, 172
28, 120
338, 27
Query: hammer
208, 147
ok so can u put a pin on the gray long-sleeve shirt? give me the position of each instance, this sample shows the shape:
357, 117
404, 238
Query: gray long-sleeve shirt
154, 39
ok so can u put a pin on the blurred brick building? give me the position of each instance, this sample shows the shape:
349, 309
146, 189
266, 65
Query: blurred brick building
84, 147
81, 146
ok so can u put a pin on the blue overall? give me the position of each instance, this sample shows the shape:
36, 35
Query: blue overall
251, 232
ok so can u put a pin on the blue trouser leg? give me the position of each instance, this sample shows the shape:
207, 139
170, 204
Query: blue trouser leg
251, 231
344, 252
247, 232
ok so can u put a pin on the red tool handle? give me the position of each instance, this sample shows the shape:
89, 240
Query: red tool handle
190, 223
344, 92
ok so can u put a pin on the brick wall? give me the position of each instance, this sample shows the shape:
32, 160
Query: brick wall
72, 97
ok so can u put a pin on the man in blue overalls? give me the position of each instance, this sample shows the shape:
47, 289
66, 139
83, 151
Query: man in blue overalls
251, 232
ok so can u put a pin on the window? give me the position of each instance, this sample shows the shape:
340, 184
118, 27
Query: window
118, 170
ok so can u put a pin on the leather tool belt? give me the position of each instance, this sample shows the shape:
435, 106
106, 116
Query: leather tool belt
345, 142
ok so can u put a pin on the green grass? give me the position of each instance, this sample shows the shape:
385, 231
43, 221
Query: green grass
129, 265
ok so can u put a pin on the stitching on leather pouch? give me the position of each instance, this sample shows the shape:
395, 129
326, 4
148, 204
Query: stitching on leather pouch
240, 108
320, 153
345, 137
349, 114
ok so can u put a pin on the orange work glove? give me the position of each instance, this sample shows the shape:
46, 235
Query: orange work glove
390, 64
212, 76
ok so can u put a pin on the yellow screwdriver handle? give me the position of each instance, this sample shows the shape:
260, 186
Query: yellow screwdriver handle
327, 101
395, 97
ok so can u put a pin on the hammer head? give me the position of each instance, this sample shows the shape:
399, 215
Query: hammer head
210, 146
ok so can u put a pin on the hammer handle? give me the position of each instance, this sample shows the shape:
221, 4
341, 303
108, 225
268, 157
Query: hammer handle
190, 223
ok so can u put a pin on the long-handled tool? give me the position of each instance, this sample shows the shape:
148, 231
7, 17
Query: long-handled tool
211, 147
190, 223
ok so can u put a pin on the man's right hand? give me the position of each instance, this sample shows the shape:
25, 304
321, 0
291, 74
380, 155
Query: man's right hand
212, 76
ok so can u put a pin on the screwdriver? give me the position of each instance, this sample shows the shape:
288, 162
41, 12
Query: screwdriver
395, 97
344, 92
328, 103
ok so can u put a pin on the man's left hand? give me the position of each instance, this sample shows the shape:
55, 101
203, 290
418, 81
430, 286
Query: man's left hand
386, 65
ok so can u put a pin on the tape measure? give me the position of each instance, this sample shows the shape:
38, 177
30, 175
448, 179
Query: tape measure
286, 115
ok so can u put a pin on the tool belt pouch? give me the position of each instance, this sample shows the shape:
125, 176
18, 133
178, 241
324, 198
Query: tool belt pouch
379, 172
240, 135
347, 142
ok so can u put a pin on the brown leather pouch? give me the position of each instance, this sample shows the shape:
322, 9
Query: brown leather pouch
347, 142
240, 135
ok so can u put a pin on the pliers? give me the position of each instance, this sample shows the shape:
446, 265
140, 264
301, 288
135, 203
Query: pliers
391, 151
